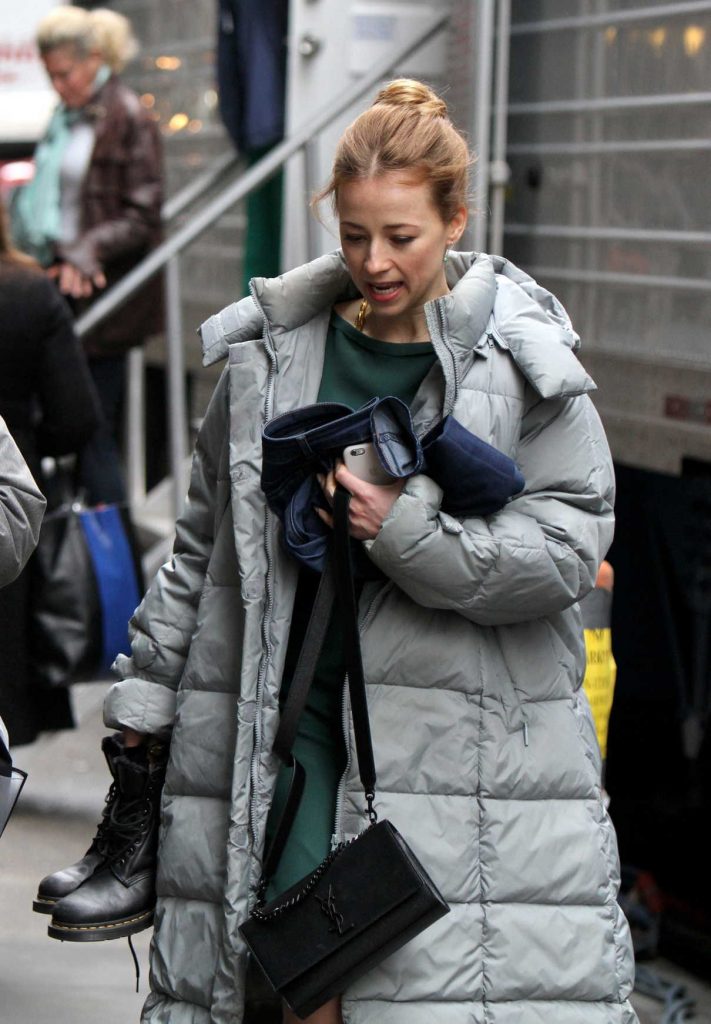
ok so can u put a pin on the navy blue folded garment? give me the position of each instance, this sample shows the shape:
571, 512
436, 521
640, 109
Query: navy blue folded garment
476, 478
300, 443
309, 440
307, 537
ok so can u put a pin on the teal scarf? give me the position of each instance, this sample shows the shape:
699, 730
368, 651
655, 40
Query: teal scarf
36, 208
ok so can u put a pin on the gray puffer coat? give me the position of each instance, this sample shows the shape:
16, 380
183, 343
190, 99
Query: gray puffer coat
473, 655
22, 506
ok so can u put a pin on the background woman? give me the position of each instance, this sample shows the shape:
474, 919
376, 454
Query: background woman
92, 210
49, 403
472, 645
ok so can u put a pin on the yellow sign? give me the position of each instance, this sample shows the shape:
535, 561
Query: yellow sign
599, 681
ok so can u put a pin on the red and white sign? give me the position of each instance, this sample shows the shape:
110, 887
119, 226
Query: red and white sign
26, 97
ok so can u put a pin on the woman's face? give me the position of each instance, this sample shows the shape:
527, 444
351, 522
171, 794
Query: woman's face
72, 75
394, 241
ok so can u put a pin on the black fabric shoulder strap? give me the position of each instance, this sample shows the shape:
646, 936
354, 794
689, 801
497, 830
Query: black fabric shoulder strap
306, 663
343, 556
337, 580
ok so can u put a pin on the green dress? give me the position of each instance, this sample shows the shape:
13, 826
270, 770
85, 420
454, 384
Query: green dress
356, 369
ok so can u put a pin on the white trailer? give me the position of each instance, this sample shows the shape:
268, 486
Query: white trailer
26, 97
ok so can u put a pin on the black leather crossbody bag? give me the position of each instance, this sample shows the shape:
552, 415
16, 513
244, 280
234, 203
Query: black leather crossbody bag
370, 895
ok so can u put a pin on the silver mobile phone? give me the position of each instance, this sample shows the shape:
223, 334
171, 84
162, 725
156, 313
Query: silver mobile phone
362, 460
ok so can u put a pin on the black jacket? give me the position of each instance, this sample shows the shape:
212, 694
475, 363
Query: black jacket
48, 400
47, 396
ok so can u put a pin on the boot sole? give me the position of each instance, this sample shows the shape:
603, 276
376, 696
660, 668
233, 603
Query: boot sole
101, 931
44, 905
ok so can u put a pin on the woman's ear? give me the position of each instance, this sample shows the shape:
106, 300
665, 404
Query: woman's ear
456, 225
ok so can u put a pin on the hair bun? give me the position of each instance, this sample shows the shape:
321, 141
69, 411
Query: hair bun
408, 92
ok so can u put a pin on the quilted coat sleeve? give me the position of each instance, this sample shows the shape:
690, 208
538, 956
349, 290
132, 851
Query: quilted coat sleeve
163, 624
536, 556
21, 509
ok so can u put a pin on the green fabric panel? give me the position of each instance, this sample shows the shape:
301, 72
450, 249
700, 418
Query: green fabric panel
262, 247
356, 364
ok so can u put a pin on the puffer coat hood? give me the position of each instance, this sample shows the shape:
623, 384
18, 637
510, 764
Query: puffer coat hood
473, 657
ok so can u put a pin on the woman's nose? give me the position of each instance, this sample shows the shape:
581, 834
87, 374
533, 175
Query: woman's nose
376, 258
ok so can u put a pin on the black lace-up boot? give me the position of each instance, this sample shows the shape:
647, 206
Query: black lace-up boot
59, 884
118, 896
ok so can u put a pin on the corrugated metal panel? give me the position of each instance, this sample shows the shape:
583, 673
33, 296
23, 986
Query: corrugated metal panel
593, 97
609, 199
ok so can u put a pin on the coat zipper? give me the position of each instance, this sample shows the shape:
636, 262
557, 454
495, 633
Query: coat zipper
268, 588
434, 314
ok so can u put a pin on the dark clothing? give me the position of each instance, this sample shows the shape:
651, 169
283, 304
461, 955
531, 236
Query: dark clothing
46, 394
251, 80
100, 477
251, 70
120, 214
48, 401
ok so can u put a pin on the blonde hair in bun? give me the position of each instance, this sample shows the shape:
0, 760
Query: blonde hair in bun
409, 92
406, 129
86, 31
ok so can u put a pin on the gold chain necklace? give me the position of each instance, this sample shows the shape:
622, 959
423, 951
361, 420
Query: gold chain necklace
362, 313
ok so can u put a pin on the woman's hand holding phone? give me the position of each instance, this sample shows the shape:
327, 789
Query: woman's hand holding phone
362, 460
370, 503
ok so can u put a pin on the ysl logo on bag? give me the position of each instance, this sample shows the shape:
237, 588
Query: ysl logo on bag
328, 906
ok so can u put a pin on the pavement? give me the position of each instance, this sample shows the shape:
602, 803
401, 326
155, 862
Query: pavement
43, 981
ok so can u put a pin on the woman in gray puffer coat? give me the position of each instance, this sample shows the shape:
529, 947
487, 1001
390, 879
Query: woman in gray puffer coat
22, 506
472, 643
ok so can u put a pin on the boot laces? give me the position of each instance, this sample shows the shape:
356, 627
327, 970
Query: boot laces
100, 837
124, 823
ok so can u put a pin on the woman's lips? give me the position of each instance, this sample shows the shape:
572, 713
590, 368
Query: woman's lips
384, 292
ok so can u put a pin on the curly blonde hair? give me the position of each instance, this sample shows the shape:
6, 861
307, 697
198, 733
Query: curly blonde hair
407, 128
87, 31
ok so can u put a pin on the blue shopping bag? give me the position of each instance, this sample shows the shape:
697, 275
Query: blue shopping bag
86, 584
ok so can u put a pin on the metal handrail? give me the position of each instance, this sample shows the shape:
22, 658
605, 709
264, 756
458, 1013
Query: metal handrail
604, 19
610, 104
578, 232
606, 147
252, 179
198, 186
167, 254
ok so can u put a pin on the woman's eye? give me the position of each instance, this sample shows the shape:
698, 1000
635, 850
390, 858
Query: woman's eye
352, 239
402, 239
